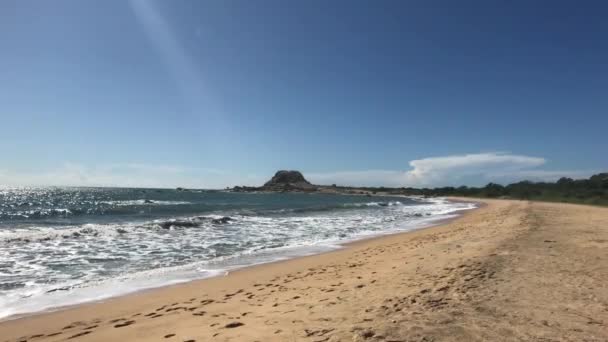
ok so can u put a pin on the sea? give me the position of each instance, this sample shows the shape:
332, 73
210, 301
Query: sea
62, 246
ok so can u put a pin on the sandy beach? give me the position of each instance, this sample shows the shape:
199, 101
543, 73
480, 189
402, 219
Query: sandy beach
508, 271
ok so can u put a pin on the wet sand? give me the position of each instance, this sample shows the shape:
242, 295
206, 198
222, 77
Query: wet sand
509, 271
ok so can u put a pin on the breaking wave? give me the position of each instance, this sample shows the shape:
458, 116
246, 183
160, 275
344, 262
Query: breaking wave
66, 257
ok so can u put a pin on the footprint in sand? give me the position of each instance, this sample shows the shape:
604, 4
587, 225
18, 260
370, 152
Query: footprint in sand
74, 325
124, 324
80, 334
234, 325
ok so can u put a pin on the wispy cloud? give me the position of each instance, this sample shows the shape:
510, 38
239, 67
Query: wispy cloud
128, 175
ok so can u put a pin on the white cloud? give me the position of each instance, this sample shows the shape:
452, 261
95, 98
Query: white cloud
430, 171
470, 169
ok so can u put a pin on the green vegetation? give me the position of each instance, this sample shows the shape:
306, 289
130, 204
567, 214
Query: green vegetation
586, 191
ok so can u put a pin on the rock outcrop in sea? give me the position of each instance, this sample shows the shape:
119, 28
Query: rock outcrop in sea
282, 181
285, 180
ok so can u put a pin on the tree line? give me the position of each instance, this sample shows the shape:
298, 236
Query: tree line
587, 191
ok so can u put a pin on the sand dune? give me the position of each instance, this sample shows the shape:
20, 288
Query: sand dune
509, 271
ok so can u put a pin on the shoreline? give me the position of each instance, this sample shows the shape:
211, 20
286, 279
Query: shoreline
337, 246
510, 270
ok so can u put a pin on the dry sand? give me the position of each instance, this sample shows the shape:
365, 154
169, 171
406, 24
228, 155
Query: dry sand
510, 271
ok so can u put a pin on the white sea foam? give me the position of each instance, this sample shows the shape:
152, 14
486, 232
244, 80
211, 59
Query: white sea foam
45, 268
143, 202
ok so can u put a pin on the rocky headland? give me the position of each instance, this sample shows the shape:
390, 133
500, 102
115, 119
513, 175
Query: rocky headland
283, 181
294, 181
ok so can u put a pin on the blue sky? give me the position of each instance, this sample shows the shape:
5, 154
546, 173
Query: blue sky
217, 93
